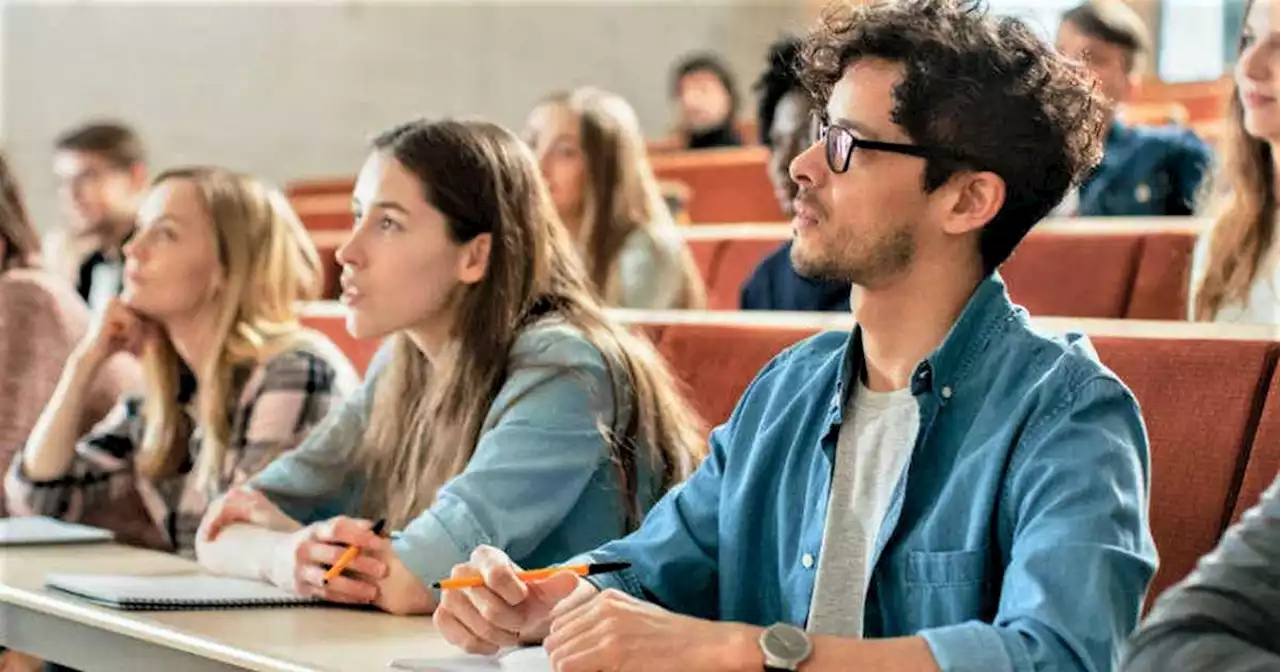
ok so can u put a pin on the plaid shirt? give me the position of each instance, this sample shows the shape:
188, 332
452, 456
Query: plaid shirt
279, 402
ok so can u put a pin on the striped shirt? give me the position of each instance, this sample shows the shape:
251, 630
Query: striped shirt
278, 402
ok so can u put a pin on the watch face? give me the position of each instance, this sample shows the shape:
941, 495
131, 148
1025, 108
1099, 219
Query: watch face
787, 642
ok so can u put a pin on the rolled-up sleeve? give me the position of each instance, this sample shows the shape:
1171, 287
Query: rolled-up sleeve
543, 444
1076, 504
1225, 616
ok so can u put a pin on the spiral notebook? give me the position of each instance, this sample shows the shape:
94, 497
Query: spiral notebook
174, 592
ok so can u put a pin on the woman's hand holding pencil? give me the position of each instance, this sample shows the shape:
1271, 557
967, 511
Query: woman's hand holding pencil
340, 560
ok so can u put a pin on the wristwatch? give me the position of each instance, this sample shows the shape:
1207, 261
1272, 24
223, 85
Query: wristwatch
784, 646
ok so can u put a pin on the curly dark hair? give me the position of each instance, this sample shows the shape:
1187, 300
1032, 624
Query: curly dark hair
984, 88
781, 77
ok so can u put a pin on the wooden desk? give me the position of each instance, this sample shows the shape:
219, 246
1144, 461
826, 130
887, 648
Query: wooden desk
91, 638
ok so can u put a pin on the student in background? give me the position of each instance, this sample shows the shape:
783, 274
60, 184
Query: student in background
232, 380
931, 491
41, 321
1225, 616
592, 155
102, 174
707, 100
1235, 275
786, 127
508, 409
1144, 171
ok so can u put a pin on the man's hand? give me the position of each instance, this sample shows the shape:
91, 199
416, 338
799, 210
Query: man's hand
614, 632
505, 611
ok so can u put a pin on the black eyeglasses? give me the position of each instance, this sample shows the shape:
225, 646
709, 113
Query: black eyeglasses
840, 143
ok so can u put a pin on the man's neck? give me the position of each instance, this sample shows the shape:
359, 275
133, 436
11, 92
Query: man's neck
903, 322
111, 237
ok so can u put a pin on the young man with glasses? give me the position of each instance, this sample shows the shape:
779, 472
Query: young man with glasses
102, 175
944, 488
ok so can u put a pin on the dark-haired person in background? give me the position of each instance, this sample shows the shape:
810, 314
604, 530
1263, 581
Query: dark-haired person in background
1148, 171
786, 127
704, 89
102, 175
944, 488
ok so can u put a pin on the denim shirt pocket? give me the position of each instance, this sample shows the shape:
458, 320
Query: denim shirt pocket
944, 587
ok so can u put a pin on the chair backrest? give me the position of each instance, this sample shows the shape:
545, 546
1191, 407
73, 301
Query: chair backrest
725, 185
1263, 463
1200, 402
1084, 275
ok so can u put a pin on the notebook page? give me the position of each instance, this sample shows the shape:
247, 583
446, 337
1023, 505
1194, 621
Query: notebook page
531, 659
173, 589
40, 530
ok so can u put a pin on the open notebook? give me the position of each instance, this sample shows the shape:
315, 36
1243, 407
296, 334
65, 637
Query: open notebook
530, 659
38, 530
174, 592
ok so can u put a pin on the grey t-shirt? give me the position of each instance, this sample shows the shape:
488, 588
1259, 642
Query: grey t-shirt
875, 442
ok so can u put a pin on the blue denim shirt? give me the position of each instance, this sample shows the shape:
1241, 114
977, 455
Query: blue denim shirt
1146, 171
1016, 539
541, 484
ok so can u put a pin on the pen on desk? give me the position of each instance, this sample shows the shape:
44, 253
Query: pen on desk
536, 574
350, 554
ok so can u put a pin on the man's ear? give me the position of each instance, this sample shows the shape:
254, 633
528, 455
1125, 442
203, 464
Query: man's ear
138, 176
977, 199
473, 265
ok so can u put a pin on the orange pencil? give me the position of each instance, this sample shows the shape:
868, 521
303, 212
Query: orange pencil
536, 574
350, 555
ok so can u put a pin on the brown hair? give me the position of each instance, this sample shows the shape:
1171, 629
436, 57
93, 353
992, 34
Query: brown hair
114, 141
425, 421
269, 264
1245, 204
21, 242
987, 89
1115, 23
621, 194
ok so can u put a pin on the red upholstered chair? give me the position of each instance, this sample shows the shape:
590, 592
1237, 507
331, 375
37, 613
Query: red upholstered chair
706, 253
1264, 456
1074, 275
1199, 399
725, 185
738, 258
717, 362
1163, 278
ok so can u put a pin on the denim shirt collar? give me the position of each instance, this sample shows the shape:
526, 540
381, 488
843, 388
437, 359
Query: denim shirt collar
988, 311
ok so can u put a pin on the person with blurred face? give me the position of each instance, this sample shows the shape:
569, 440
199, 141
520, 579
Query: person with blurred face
786, 118
213, 275
1236, 267
592, 155
1145, 171
707, 101
101, 172
41, 321
507, 407
930, 491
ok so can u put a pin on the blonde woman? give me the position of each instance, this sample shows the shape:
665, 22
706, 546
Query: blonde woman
508, 408
592, 155
1236, 274
232, 380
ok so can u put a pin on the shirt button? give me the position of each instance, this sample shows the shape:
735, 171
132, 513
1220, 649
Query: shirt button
946, 392
807, 560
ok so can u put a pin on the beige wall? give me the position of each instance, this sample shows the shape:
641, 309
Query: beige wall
295, 89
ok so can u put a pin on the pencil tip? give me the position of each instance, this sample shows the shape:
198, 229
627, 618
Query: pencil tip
436, 585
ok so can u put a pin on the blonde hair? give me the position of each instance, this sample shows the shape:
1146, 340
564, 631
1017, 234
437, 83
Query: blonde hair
1245, 207
426, 421
269, 264
621, 193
